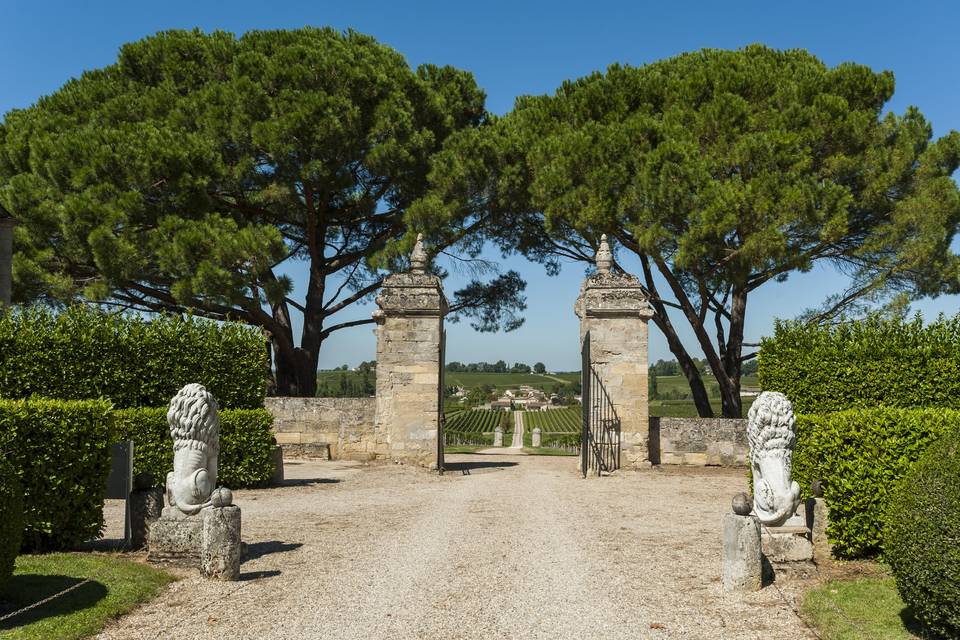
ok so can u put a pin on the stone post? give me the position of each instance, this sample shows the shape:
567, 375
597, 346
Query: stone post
276, 457
535, 437
818, 518
6, 259
220, 544
613, 308
146, 505
409, 332
742, 562
498, 437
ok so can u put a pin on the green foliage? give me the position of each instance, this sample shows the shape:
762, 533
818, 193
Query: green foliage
922, 536
61, 452
347, 384
721, 171
874, 362
11, 518
245, 444
860, 456
185, 174
83, 353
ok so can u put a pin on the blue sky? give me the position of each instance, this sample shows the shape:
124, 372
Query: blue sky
517, 48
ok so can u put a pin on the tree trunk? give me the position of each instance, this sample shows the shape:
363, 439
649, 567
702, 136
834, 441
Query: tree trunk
294, 376
701, 399
286, 371
729, 378
660, 318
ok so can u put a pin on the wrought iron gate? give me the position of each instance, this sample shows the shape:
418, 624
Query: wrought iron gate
441, 421
600, 438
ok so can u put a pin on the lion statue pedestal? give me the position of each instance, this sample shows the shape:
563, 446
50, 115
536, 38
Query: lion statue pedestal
179, 536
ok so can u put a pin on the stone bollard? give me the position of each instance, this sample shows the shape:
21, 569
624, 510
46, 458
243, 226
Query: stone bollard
498, 437
742, 560
276, 456
146, 503
536, 437
220, 547
818, 517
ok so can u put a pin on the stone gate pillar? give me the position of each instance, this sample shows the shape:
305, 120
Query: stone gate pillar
615, 310
409, 331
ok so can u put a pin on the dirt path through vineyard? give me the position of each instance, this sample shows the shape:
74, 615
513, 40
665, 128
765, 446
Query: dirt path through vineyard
517, 430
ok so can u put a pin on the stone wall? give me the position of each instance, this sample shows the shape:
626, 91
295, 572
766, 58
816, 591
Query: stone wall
699, 441
308, 426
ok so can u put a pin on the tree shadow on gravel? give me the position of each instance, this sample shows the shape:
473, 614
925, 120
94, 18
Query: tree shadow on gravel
307, 482
467, 466
259, 549
259, 575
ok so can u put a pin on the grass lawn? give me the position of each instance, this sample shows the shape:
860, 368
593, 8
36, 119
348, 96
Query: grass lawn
116, 587
864, 609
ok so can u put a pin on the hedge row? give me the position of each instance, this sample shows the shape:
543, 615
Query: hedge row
62, 456
876, 362
860, 456
921, 537
83, 353
11, 518
245, 444
61, 452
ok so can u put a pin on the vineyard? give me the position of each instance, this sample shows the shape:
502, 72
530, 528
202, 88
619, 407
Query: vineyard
554, 421
559, 428
476, 426
473, 421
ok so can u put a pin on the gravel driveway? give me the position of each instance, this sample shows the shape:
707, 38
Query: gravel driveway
504, 546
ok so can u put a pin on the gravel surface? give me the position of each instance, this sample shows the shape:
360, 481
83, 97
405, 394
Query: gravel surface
502, 546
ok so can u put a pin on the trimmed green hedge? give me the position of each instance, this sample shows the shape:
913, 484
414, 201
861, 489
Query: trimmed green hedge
866, 364
245, 444
860, 456
11, 518
83, 353
922, 537
62, 455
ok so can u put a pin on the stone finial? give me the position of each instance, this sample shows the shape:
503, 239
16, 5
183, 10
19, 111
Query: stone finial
742, 505
772, 436
604, 258
418, 257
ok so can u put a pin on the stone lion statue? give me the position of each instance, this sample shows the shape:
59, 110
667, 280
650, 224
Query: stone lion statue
195, 428
771, 434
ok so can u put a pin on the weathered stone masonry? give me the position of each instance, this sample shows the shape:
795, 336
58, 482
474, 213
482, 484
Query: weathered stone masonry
409, 334
699, 441
340, 427
343, 427
614, 310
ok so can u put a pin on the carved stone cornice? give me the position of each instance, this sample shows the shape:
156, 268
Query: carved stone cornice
605, 295
411, 294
